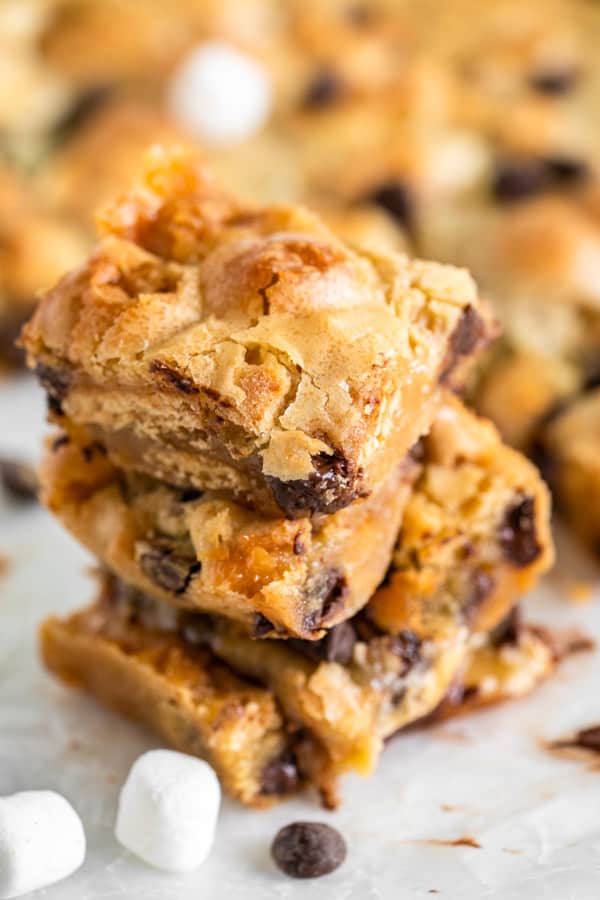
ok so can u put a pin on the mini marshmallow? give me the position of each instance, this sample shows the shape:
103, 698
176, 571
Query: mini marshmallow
168, 810
41, 841
220, 94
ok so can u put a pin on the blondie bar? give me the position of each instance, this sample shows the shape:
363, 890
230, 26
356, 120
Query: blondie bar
276, 576
568, 450
249, 350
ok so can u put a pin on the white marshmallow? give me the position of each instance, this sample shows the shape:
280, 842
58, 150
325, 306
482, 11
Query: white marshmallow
221, 95
168, 810
41, 841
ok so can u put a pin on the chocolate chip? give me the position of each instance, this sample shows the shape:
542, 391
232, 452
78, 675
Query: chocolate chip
86, 105
176, 379
188, 495
517, 535
166, 568
62, 441
406, 645
19, 480
331, 588
56, 383
417, 451
589, 738
324, 90
554, 81
508, 630
337, 645
281, 775
262, 626
94, 449
567, 170
308, 849
395, 197
299, 546
468, 333
333, 485
519, 179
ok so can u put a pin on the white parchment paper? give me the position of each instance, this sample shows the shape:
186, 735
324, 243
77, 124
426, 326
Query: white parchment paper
536, 817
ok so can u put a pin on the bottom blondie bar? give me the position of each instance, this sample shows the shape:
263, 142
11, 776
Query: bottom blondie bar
156, 673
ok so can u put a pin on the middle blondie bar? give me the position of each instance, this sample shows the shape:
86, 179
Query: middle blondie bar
298, 578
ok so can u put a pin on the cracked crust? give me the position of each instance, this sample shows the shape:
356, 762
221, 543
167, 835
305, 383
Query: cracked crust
213, 345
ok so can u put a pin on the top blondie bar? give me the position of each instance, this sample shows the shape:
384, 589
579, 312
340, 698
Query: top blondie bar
215, 345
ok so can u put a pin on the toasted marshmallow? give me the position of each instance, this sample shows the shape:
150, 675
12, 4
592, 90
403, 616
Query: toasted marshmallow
168, 810
220, 94
41, 841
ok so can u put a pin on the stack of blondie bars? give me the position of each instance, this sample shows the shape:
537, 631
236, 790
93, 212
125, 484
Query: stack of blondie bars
307, 541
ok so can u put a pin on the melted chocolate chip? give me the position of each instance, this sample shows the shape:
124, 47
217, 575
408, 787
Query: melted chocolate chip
299, 547
333, 484
588, 738
331, 589
517, 535
62, 441
56, 383
407, 645
308, 849
166, 568
94, 449
324, 90
519, 179
281, 775
176, 379
337, 645
467, 335
508, 630
262, 626
188, 495
19, 480
554, 81
395, 197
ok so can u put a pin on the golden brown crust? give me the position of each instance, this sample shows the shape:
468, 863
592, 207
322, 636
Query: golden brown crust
207, 342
